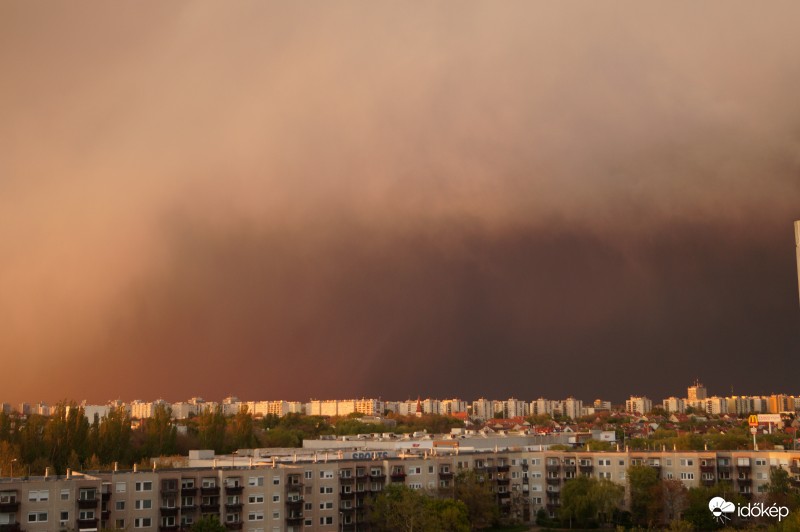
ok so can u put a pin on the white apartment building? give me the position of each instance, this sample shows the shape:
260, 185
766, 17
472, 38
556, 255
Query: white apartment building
638, 405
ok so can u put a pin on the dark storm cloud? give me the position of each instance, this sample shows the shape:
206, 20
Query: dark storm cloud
329, 199
456, 309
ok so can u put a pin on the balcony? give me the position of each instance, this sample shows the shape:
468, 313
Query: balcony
347, 496
398, 475
445, 475
570, 469
234, 490
503, 468
10, 527
87, 504
233, 506
795, 468
708, 482
167, 528
346, 480
9, 507
167, 511
586, 469
209, 490
503, 481
294, 519
209, 508
106, 496
169, 488
294, 504
553, 481
361, 473
190, 490
377, 476
237, 525
552, 468
83, 524
105, 515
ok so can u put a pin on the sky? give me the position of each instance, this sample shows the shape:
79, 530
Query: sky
330, 200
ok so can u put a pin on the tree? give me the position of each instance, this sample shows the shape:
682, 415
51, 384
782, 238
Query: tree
65, 432
211, 429
243, 434
577, 505
476, 494
402, 509
208, 524
160, 433
587, 500
397, 508
643, 482
114, 437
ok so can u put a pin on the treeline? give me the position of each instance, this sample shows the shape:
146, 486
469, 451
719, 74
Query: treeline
67, 439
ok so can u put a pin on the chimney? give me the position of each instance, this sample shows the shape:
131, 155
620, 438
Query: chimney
135, 468
69, 473
46, 472
116, 467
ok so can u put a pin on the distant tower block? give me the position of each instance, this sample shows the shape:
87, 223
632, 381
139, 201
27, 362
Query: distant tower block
797, 247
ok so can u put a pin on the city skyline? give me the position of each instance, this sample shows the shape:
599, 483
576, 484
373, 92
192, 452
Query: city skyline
339, 200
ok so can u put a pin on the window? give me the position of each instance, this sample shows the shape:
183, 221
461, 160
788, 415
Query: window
308, 507
87, 495
685, 462
622, 462
669, 461
276, 498
37, 517
142, 522
231, 518
415, 486
326, 520
64, 495
39, 495
187, 500
119, 506
143, 504
326, 474
687, 476
255, 516
326, 505
308, 522
169, 521
121, 487
209, 483
255, 481
276, 515
119, 523
144, 486
761, 461
414, 470
86, 515
326, 489
669, 476
255, 499
64, 517
308, 475
187, 520
233, 499
430, 469
605, 474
